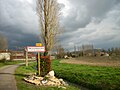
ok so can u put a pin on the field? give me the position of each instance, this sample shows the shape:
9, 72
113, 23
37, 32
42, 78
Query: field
95, 61
92, 74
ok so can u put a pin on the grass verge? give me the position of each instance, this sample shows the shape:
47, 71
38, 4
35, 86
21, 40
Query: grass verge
4, 63
22, 85
92, 77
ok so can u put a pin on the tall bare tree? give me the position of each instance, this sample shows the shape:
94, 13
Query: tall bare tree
48, 12
3, 42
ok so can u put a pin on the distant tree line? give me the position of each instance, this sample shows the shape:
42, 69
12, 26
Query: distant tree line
3, 42
113, 51
86, 50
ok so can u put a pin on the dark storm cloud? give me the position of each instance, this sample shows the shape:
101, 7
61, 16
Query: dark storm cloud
22, 40
92, 21
19, 22
85, 21
17, 38
82, 11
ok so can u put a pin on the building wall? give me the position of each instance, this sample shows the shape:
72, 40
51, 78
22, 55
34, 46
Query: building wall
5, 56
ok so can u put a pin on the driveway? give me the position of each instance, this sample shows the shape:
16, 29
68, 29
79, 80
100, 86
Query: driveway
7, 78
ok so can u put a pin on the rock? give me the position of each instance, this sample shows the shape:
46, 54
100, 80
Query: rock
51, 73
48, 80
40, 78
44, 82
31, 77
36, 82
63, 82
49, 83
54, 79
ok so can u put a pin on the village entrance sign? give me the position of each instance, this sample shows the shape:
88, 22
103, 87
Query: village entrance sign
38, 48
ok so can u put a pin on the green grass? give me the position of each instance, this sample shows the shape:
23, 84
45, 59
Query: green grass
4, 63
92, 77
22, 85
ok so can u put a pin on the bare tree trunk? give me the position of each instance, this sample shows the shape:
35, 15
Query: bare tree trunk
48, 12
3, 43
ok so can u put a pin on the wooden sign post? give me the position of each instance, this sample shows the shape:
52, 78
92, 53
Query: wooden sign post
38, 48
38, 63
38, 45
26, 57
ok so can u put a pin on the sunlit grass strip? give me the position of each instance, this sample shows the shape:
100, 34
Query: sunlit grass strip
93, 77
22, 85
4, 63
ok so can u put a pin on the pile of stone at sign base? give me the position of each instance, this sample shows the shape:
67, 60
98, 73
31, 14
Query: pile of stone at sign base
48, 80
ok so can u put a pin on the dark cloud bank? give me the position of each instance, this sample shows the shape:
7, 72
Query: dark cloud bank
18, 22
94, 22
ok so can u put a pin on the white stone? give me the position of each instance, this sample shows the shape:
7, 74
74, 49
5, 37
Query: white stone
48, 80
40, 78
36, 82
61, 80
44, 81
51, 73
49, 83
66, 57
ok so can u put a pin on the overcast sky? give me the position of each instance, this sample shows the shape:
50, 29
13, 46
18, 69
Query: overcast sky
94, 22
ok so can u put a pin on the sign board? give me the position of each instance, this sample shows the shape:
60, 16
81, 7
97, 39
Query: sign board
35, 49
38, 44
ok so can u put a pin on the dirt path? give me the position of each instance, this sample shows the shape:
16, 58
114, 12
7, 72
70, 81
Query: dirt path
7, 78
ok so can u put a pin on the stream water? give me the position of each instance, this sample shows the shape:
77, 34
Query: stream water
76, 85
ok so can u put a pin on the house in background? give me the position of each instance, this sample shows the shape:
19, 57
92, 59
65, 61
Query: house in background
21, 55
16, 55
5, 55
